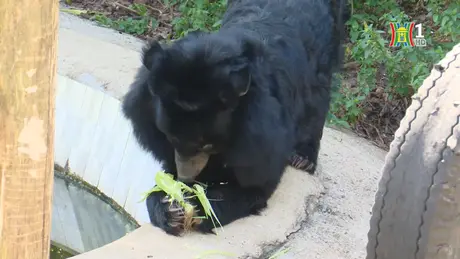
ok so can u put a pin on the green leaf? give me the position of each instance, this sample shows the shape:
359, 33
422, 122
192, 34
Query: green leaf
412, 57
206, 204
444, 20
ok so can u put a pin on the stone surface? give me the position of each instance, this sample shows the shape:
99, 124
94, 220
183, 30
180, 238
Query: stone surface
337, 201
287, 208
96, 56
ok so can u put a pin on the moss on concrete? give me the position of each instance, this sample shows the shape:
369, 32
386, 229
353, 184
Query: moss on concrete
59, 251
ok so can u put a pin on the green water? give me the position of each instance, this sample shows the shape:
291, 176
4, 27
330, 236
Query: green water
59, 253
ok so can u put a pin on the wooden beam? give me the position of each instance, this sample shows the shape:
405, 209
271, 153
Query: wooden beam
28, 39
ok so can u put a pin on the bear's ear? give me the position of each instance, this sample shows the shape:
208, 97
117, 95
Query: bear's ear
151, 53
237, 76
240, 76
239, 71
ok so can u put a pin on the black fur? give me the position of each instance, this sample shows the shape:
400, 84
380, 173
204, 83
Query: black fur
258, 91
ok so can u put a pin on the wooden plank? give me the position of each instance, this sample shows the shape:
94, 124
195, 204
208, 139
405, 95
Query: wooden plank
28, 47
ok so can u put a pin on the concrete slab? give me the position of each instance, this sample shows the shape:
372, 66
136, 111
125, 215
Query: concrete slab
311, 220
348, 165
100, 58
95, 56
95, 31
350, 172
246, 236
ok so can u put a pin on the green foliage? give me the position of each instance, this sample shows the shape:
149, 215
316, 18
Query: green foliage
137, 25
178, 191
405, 67
197, 15
128, 25
194, 15
368, 49
369, 37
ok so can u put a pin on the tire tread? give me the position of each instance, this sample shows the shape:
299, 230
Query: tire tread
404, 205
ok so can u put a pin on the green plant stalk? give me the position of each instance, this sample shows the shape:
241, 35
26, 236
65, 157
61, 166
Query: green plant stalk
176, 190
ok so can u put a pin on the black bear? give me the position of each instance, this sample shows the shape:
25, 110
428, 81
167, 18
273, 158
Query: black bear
233, 108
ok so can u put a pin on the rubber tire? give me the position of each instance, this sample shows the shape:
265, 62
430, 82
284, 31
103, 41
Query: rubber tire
416, 214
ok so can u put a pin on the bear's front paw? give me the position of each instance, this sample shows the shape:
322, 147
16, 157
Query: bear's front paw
170, 215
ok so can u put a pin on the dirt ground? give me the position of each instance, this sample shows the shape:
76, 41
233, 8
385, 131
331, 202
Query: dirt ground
381, 115
115, 9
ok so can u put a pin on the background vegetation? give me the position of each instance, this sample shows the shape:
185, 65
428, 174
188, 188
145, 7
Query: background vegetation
373, 91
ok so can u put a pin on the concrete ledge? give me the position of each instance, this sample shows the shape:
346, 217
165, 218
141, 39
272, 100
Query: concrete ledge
93, 30
344, 156
97, 141
298, 192
97, 56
